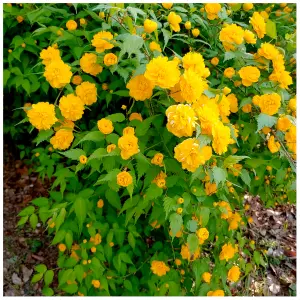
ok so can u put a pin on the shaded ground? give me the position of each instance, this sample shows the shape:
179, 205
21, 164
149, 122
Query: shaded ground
273, 230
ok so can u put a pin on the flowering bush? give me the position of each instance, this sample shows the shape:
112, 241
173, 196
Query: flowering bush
158, 119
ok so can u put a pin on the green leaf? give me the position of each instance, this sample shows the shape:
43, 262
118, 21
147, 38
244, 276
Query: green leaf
192, 225
229, 55
123, 93
246, 177
41, 268
175, 223
232, 160
131, 44
37, 277
204, 215
22, 221
71, 288
94, 136
116, 117
26, 86
46, 291
131, 240
144, 126
6, 75
280, 175
128, 285
60, 218
43, 136
80, 207
169, 204
79, 272
167, 35
219, 174
33, 220
113, 198
73, 153
69, 239
193, 242
271, 29
265, 120
48, 277
26, 211
98, 154
65, 276
59, 236
125, 258
40, 202
153, 192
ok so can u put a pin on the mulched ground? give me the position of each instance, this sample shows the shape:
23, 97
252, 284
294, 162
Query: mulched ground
273, 230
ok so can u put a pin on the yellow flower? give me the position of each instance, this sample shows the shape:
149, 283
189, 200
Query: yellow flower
272, 145
87, 92
160, 179
140, 88
227, 213
186, 254
269, 103
174, 21
202, 235
233, 103
283, 123
195, 32
189, 154
290, 138
62, 139
58, 74
155, 47
175, 93
71, 25
159, 268
181, 120
42, 115
188, 25
65, 124
282, 77
83, 159
192, 86
214, 61
249, 75
229, 72
100, 203
49, 55
111, 244
135, 116
20, 19
71, 107
227, 252
110, 59
259, 25
221, 138
224, 107
247, 108
195, 62
62, 247
96, 284
264, 14
167, 5
158, 159
177, 262
105, 126
292, 104
149, 26
212, 10
247, 6
101, 41
234, 274
82, 21
101, 15
206, 277
249, 37
216, 293
268, 51
111, 148
77, 79
231, 35
124, 179
128, 144
128, 130
88, 64
162, 72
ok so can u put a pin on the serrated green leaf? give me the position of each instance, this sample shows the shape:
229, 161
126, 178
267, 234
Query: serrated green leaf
94, 136
265, 120
219, 174
113, 198
175, 223
245, 177
73, 153
192, 225
43, 136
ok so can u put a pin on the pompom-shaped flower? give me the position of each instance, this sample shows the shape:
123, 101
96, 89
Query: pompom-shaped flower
181, 120
216, 293
186, 254
159, 268
273, 145
62, 139
101, 41
282, 77
110, 59
124, 179
268, 51
212, 10
202, 235
189, 155
49, 55
105, 126
128, 144
234, 274
233, 103
71, 25
140, 88
167, 5
77, 79
249, 37
221, 138
174, 21
71, 107
259, 25
162, 72
231, 35
136, 116
42, 115
269, 103
87, 92
283, 123
88, 64
224, 107
175, 93
229, 72
249, 75
157, 159
58, 74
195, 62
195, 32
160, 180
206, 277
111, 148
154, 47
290, 138
149, 26
227, 252
292, 104
192, 86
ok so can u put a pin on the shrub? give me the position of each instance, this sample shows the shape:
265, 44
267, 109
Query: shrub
158, 119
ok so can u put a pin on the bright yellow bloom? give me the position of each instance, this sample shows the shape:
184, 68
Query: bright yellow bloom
71, 25
233, 274
283, 78
212, 10
202, 235
128, 144
167, 5
229, 72
58, 74
174, 21
186, 254
206, 277
159, 268
155, 47
249, 37
290, 138
231, 35
268, 51
160, 179
195, 62
111, 148
175, 93
227, 252
62, 247
181, 120
96, 284
177, 262
247, 6
216, 293
62, 139
273, 145
83, 159
88, 64
124, 179
269, 103
259, 25
249, 75
65, 124
157, 159
195, 32
264, 14
188, 25
71, 107
49, 55
77, 79
87, 92
101, 41
233, 102
42, 115
100, 203
135, 116
149, 26
105, 126
221, 138
210, 188
247, 108
110, 59
214, 61
223, 106
234, 221
20, 19
162, 72
283, 123
82, 21
140, 88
